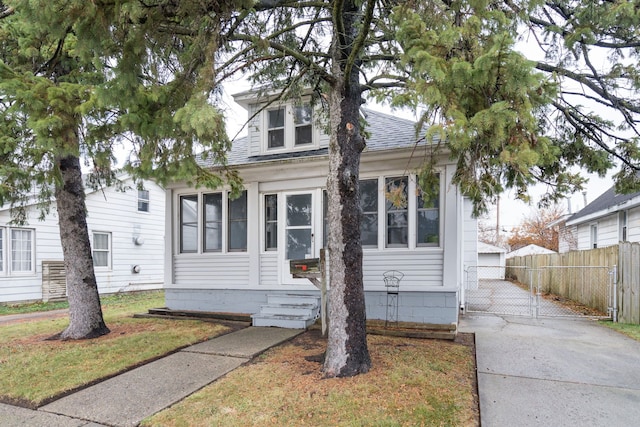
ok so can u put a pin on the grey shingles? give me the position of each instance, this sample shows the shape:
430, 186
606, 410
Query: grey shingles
606, 200
386, 132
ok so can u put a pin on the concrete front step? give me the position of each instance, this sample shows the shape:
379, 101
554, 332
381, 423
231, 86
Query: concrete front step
282, 321
310, 310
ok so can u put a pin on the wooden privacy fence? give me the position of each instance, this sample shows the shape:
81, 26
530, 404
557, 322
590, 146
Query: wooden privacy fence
582, 276
629, 283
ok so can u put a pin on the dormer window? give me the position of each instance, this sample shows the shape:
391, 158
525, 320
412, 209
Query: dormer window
302, 122
289, 128
276, 128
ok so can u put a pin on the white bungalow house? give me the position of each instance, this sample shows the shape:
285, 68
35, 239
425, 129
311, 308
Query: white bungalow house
607, 220
127, 233
233, 256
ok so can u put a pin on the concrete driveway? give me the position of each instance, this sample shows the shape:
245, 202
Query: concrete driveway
554, 372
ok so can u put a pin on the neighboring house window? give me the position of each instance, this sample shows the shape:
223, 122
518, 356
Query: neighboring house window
101, 249
623, 226
238, 223
270, 222
594, 235
396, 208
275, 128
22, 252
428, 217
369, 206
189, 224
143, 200
212, 222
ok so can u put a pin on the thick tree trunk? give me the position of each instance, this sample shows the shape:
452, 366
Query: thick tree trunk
347, 351
85, 313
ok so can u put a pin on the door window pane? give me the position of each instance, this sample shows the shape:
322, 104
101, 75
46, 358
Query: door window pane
271, 222
397, 213
298, 243
188, 224
238, 223
369, 206
21, 251
212, 222
275, 128
299, 210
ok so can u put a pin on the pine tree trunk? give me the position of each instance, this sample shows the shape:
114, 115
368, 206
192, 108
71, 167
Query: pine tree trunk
347, 352
85, 313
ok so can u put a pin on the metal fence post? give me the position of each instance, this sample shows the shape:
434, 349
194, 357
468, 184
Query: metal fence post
614, 277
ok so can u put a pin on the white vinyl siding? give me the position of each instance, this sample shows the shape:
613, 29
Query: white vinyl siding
211, 270
2, 251
269, 269
421, 269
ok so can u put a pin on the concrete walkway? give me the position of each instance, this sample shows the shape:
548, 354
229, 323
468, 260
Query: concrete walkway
127, 399
554, 372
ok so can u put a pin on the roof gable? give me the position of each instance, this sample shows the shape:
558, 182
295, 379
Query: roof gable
607, 202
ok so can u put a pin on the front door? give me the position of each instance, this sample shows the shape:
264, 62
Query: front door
299, 231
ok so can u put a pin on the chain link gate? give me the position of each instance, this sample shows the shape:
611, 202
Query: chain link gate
552, 291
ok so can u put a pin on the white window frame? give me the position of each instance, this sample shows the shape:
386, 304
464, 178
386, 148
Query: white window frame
9, 252
623, 219
109, 251
3, 251
200, 223
289, 129
593, 235
146, 201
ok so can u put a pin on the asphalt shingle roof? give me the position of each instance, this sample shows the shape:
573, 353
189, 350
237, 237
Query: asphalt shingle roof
606, 200
386, 132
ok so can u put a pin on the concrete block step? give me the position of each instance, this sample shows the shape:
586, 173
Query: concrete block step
308, 310
293, 299
282, 321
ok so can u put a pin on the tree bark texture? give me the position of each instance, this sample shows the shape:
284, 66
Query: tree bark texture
85, 313
347, 351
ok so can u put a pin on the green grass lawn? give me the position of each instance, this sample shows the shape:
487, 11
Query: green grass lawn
34, 370
413, 382
632, 331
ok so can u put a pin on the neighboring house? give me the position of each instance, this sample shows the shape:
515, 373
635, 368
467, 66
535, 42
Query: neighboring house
491, 261
567, 240
126, 229
609, 219
530, 249
227, 255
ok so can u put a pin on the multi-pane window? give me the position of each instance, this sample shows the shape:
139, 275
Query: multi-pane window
270, 222
302, 124
220, 223
238, 223
212, 222
275, 127
21, 250
101, 249
189, 224
143, 200
428, 217
396, 208
369, 206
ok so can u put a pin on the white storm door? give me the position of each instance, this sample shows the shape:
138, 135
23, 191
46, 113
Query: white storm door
299, 238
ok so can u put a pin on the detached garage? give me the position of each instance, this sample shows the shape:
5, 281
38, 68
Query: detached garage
491, 261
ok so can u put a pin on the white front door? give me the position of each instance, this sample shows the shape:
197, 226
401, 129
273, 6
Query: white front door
300, 223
